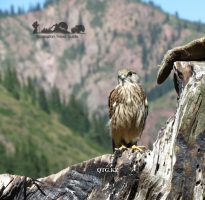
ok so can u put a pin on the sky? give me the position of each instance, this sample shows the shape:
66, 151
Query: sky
6, 4
193, 10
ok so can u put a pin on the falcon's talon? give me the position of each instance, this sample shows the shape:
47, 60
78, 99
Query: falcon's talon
138, 148
122, 148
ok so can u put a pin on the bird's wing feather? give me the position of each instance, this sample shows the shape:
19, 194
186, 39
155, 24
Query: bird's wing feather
113, 98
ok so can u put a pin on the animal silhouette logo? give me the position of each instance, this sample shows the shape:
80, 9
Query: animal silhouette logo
78, 29
61, 27
36, 27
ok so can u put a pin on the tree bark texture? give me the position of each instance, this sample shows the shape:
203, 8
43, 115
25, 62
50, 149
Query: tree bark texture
173, 170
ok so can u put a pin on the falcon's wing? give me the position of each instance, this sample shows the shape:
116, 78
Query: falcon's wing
113, 99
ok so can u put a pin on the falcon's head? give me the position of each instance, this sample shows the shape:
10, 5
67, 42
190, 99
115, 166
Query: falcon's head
127, 76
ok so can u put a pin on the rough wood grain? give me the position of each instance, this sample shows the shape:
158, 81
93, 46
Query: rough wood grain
173, 170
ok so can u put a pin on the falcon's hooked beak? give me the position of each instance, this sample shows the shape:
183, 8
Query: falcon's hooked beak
121, 77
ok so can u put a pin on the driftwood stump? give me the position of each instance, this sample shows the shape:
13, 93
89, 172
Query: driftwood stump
174, 169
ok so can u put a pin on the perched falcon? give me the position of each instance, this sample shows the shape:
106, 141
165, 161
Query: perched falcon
128, 109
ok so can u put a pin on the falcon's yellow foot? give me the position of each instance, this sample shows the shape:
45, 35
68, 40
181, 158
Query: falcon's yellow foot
122, 148
138, 148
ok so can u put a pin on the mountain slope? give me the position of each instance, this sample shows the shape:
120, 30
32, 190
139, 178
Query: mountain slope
34, 143
119, 34
134, 35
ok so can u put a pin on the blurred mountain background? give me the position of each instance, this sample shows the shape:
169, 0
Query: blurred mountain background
54, 92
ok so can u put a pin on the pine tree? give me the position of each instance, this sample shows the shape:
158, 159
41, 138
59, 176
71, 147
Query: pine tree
48, 2
42, 100
12, 11
64, 117
145, 52
199, 26
80, 118
31, 90
20, 11
99, 132
54, 99
75, 116
38, 7
11, 82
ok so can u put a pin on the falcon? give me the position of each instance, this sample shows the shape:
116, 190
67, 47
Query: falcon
128, 110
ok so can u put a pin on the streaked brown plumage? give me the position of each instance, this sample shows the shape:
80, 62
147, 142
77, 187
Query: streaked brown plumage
128, 109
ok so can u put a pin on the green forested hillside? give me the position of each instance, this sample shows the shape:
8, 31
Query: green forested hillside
34, 143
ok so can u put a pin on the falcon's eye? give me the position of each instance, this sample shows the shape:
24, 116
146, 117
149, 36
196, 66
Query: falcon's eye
129, 74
